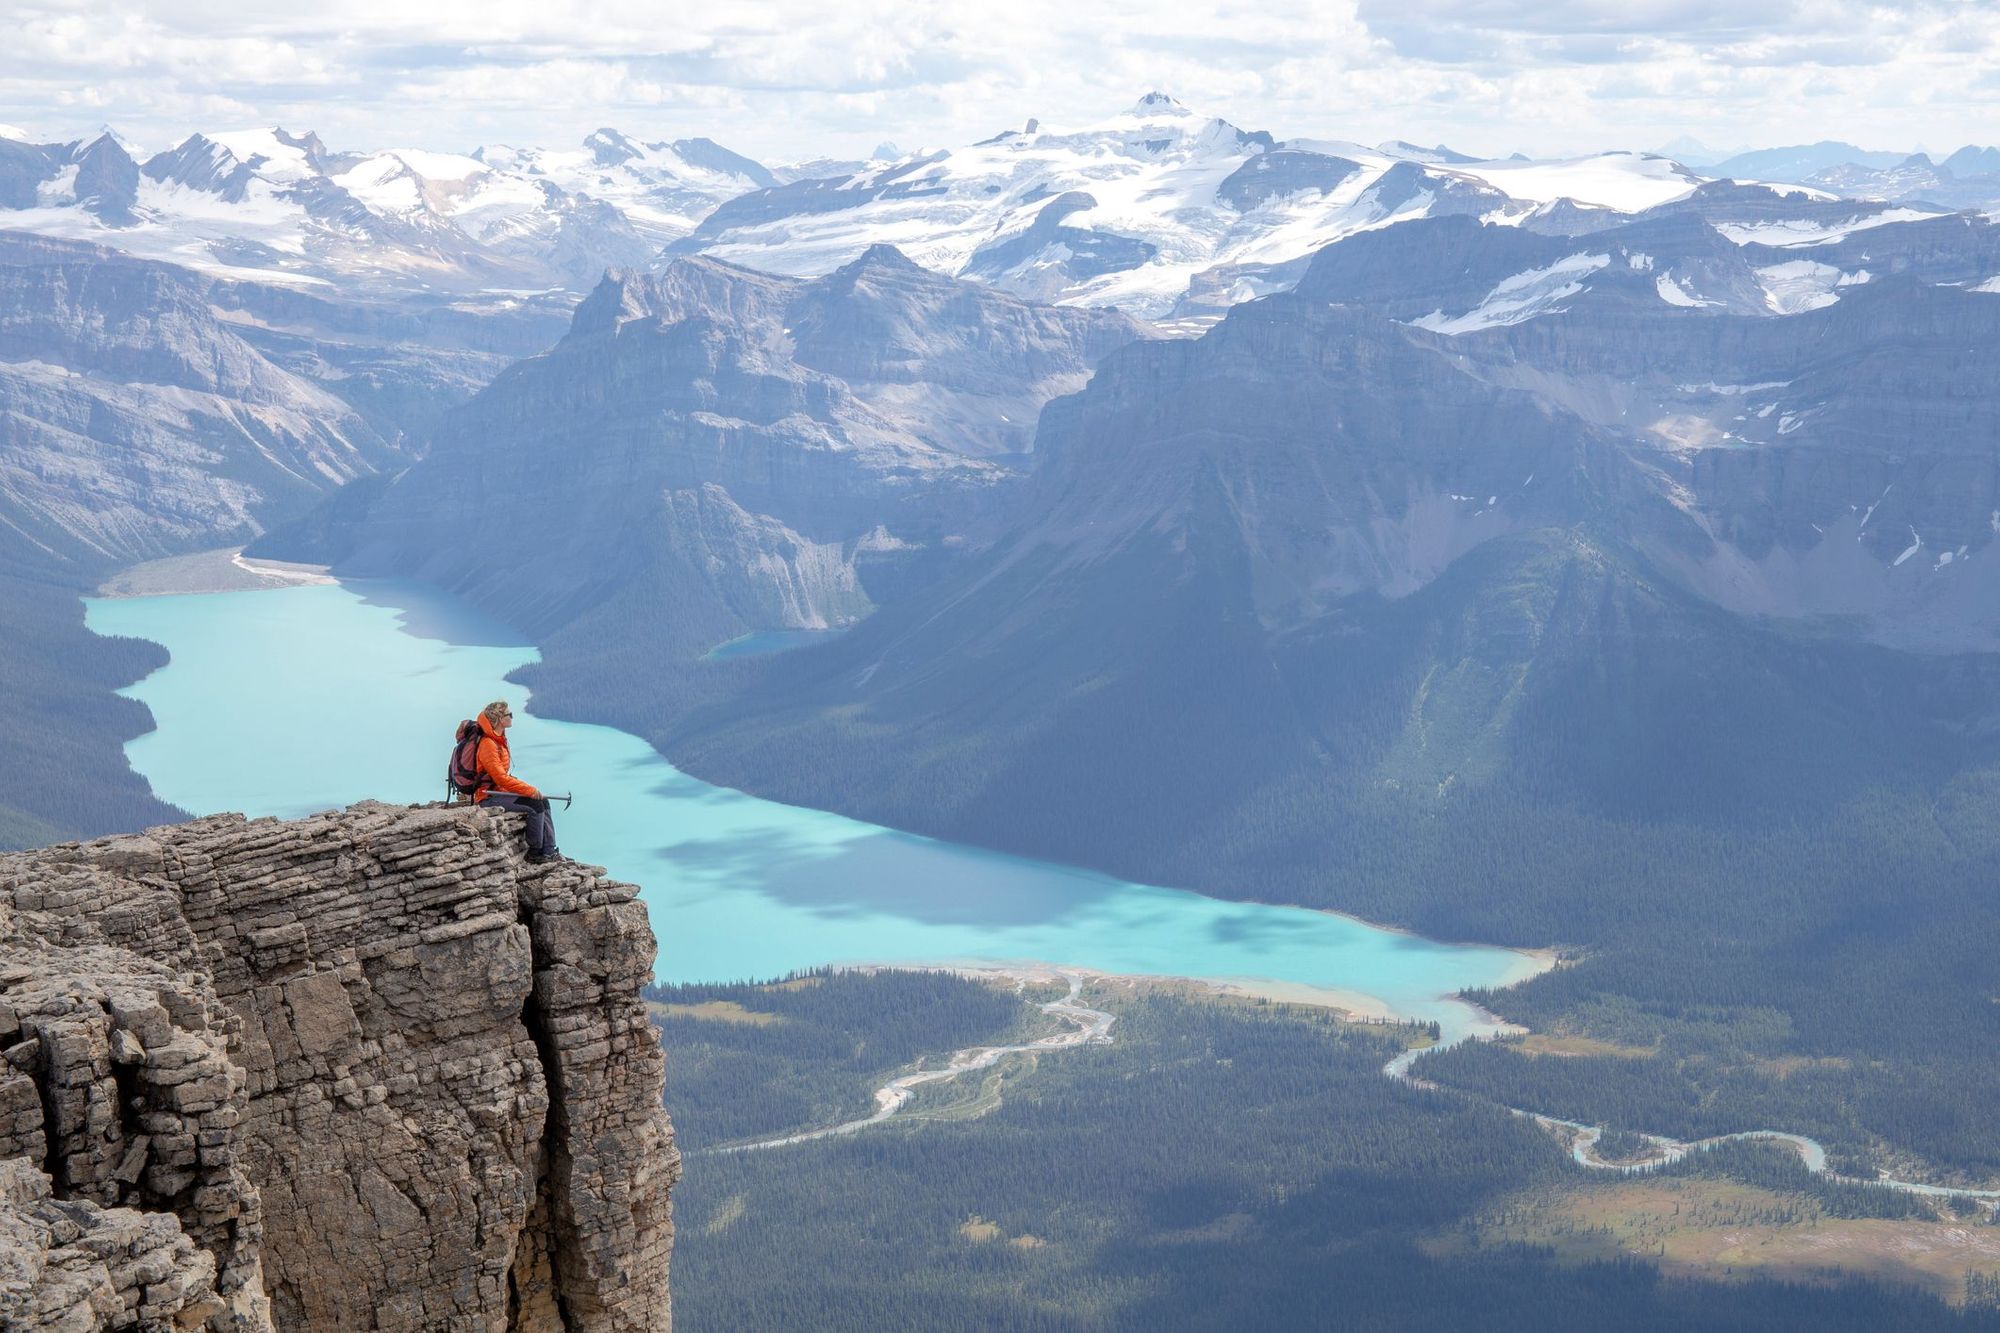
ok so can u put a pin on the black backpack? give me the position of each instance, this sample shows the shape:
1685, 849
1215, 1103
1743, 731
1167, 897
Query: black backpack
463, 773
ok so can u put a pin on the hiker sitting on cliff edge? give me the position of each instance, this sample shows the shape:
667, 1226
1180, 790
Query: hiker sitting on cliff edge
499, 788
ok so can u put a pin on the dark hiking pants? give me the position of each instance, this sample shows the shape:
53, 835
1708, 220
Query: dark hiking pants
541, 828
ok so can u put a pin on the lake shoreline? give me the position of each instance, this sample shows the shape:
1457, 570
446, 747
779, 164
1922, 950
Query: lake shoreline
1540, 958
1352, 1005
741, 886
224, 569
227, 570
1356, 1005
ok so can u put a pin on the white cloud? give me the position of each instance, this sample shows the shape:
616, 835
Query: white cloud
794, 78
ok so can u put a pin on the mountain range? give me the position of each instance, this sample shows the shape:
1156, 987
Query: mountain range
1471, 513
1967, 178
1747, 430
274, 206
769, 420
1160, 211
753, 452
1597, 554
1616, 580
1622, 581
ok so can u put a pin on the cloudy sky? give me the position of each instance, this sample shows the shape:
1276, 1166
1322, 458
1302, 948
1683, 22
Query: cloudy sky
787, 79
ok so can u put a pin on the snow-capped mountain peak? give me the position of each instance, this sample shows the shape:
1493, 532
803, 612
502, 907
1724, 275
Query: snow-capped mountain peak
1157, 209
1156, 116
1157, 103
273, 154
410, 183
609, 148
1161, 210
662, 187
273, 205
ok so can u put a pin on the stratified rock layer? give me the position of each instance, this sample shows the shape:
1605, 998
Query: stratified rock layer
363, 1070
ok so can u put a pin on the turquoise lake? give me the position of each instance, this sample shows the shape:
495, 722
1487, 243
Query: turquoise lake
284, 702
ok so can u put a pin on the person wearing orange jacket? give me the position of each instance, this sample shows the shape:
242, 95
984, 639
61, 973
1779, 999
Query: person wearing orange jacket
500, 789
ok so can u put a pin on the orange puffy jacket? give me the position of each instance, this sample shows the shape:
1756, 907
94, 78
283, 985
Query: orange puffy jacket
493, 763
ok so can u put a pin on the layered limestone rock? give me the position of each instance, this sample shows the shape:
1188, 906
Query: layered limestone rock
363, 1070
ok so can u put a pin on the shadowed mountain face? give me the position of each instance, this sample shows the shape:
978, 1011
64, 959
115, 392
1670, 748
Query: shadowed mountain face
1835, 465
1474, 516
148, 410
738, 451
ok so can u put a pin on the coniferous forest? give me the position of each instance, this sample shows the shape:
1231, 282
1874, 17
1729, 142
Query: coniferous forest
1217, 1165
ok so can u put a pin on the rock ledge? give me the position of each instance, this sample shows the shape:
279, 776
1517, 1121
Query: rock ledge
364, 1070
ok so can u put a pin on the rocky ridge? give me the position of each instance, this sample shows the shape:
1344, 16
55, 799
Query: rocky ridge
759, 453
362, 1070
269, 205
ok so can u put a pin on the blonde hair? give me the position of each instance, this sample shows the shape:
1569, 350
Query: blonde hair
495, 709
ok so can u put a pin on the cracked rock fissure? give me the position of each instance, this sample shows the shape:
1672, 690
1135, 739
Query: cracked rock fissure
364, 1070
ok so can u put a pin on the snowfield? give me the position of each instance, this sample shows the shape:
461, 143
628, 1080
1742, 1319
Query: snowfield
1521, 297
1166, 213
1163, 176
1816, 233
1625, 182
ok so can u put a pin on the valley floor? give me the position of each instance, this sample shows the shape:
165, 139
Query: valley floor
1213, 1154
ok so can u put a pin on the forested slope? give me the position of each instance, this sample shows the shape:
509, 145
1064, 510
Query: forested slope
62, 729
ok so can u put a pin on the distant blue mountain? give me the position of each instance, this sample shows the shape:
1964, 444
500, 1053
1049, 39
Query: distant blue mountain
1973, 160
1802, 160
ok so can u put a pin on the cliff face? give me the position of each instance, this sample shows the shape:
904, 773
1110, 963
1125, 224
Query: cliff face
119, 382
752, 452
1806, 429
363, 1070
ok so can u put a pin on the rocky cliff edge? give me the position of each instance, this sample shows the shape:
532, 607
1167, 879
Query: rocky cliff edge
364, 1070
